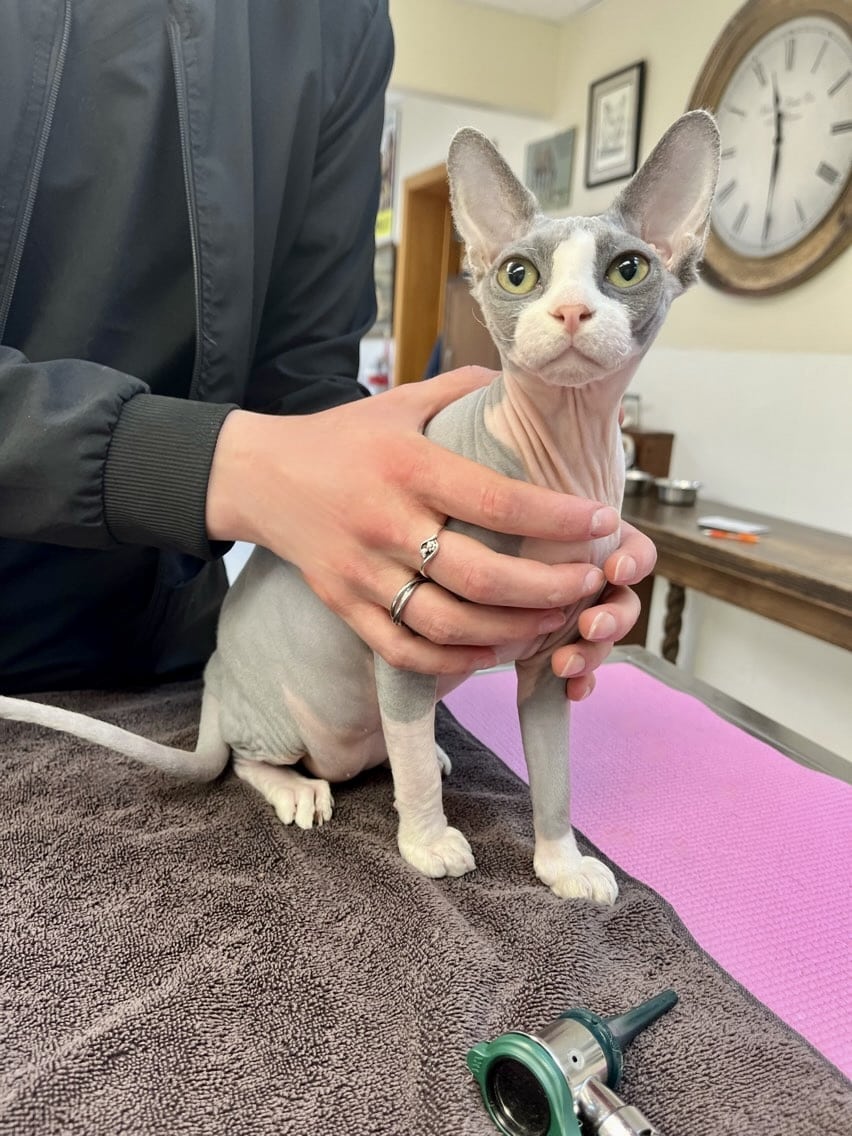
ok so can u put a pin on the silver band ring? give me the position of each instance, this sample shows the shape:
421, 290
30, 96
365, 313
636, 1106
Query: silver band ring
403, 596
428, 549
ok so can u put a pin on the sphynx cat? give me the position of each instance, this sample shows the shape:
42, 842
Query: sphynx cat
573, 304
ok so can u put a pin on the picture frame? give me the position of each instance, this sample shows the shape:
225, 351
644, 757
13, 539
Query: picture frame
384, 267
614, 124
548, 170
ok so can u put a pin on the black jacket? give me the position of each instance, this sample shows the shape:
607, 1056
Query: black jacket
103, 475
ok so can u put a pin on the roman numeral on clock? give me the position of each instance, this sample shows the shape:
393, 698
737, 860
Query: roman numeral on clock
827, 172
726, 191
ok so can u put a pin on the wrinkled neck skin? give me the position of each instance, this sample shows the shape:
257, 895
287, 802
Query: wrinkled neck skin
566, 437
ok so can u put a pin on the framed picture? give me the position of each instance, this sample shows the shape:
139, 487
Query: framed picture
384, 273
548, 167
614, 123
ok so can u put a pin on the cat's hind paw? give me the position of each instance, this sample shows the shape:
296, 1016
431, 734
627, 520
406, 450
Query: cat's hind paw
446, 855
572, 876
304, 801
308, 805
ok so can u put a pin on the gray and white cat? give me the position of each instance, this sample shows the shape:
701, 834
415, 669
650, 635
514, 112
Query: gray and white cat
573, 305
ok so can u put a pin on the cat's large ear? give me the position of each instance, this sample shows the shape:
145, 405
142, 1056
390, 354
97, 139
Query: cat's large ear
491, 208
668, 202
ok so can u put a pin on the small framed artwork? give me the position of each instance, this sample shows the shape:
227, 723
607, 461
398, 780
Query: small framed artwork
548, 167
384, 275
614, 123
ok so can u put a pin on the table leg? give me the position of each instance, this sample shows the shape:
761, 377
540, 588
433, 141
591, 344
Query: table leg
675, 600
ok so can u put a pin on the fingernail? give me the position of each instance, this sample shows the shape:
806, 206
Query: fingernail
484, 662
603, 627
575, 665
593, 582
604, 522
625, 570
552, 622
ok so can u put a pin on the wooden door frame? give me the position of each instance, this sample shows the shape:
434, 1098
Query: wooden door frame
428, 254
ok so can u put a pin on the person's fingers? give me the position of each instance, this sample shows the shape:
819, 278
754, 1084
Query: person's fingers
458, 487
579, 688
468, 568
435, 614
633, 560
400, 647
578, 659
612, 618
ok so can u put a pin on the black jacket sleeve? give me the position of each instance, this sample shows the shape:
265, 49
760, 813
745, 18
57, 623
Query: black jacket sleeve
61, 470
321, 299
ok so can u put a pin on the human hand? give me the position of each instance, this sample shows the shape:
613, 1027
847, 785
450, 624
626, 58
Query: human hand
611, 618
348, 494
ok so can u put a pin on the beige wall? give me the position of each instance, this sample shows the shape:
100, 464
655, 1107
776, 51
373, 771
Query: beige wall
476, 55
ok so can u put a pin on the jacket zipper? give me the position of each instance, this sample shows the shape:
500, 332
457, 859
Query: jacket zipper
35, 172
189, 188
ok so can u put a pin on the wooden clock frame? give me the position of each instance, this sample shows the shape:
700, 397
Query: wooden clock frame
729, 270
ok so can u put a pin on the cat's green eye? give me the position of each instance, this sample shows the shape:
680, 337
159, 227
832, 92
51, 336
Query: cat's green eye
517, 275
627, 270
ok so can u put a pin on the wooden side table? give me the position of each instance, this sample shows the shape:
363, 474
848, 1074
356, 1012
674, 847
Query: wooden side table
796, 575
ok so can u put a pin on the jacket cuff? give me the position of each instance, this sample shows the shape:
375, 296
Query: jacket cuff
156, 473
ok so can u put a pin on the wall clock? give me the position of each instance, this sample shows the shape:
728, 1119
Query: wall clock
779, 80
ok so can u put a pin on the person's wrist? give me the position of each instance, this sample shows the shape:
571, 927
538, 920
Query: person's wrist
227, 516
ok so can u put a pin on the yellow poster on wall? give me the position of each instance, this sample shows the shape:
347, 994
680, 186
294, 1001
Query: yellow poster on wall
390, 133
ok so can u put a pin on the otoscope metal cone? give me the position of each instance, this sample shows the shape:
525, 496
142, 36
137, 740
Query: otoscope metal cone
624, 1027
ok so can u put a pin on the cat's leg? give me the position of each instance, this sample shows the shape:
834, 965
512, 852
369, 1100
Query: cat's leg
307, 801
543, 709
443, 759
426, 841
444, 763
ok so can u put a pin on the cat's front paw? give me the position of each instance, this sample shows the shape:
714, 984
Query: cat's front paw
572, 876
448, 854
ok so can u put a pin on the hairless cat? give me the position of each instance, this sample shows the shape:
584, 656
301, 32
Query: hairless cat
573, 305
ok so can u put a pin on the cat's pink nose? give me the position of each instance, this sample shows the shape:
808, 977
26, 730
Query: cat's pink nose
571, 315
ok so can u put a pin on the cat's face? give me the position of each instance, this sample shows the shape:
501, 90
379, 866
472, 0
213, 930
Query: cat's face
574, 300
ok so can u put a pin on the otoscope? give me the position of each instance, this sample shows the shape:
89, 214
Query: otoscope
547, 1083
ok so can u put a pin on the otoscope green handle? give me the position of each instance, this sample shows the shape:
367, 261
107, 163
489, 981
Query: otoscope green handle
539, 1084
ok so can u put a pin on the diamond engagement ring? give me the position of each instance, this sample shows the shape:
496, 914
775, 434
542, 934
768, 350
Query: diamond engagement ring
404, 595
428, 549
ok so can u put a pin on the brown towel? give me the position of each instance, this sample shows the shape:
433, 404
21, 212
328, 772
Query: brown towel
175, 961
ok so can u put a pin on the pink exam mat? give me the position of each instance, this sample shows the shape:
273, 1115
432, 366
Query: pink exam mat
752, 850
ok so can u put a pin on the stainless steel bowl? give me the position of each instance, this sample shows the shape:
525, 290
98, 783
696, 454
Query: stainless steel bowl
637, 483
671, 491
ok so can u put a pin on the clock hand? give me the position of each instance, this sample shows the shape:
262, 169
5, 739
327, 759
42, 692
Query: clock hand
776, 157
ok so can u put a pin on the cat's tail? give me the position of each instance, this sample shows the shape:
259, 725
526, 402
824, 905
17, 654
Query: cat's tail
203, 764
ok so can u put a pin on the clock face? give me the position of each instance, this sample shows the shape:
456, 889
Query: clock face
785, 117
